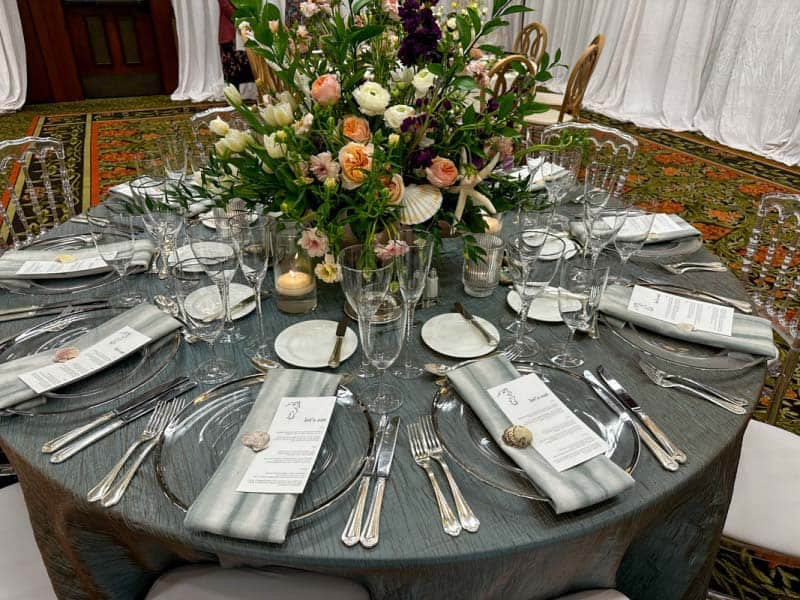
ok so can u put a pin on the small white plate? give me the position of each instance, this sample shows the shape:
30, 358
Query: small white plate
551, 248
204, 302
452, 335
543, 308
207, 219
185, 252
308, 344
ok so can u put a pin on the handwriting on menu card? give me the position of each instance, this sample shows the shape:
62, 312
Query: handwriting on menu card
562, 439
53, 267
97, 356
695, 315
295, 438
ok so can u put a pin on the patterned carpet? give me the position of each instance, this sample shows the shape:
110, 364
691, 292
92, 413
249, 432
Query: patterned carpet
713, 187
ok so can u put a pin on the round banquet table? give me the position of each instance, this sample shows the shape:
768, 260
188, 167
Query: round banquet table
657, 540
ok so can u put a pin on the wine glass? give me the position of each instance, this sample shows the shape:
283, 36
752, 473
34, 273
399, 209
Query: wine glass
162, 221
360, 269
534, 258
412, 263
559, 171
174, 156
199, 298
630, 239
115, 246
579, 293
602, 230
382, 328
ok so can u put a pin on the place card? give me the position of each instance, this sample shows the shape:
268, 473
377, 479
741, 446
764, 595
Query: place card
562, 439
694, 315
663, 225
295, 438
54, 267
94, 358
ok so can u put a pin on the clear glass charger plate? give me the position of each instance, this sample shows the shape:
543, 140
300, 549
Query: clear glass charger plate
127, 375
470, 445
671, 249
66, 244
680, 352
210, 425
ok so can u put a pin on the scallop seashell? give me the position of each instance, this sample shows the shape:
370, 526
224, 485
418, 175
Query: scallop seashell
420, 203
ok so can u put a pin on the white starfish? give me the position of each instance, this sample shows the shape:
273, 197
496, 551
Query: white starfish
466, 187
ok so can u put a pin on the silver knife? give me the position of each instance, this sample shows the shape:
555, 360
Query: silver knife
631, 404
73, 434
740, 305
336, 355
611, 401
461, 309
352, 530
64, 304
111, 426
48, 311
383, 464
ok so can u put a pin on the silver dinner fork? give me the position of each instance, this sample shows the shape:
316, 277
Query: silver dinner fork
434, 448
685, 267
450, 524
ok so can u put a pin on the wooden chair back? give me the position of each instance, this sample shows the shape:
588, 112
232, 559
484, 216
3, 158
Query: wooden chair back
267, 81
532, 42
578, 81
500, 76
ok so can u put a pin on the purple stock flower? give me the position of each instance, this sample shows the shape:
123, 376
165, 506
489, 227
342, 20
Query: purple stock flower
492, 105
420, 158
421, 42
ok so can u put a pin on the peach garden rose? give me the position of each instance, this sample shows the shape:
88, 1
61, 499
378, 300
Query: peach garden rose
356, 129
326, 90
442, 172
355, 161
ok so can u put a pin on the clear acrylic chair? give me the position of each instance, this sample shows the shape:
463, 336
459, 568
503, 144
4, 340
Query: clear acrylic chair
771, 274
37, 192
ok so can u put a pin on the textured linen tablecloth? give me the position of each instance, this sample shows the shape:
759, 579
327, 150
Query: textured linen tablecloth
655, 541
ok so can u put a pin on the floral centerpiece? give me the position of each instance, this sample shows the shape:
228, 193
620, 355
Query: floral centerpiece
385, 119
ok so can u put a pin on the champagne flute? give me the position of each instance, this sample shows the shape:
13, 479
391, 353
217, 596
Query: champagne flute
602, 230
630, 239
174, 156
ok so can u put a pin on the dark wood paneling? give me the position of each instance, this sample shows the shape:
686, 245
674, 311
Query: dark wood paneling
163, 24
39, 89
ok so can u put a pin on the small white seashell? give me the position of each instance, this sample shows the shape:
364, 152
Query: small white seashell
420, 203
518, 436
687, 327
255, 440
66, 353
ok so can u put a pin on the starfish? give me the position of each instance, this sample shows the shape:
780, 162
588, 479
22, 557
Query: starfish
466, 187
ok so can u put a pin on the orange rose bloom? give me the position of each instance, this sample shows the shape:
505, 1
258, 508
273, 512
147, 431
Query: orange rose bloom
356, 161
326, 90
396, 188
442, 172
356, 128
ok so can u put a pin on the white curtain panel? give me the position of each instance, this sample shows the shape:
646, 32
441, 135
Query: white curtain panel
726, 68
199, 63
13, 76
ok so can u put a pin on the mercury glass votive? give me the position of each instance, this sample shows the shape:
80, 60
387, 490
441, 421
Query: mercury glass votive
480, 277
295, 282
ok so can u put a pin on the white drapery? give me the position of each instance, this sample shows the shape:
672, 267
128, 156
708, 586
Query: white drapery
725, 68
13, 76
199, 64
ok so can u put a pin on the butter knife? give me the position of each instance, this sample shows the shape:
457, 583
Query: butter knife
631, 404
111, 426
461, 309
383, 464
336, 354
611, 401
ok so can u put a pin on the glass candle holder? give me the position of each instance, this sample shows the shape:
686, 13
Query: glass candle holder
480, 277
295, 282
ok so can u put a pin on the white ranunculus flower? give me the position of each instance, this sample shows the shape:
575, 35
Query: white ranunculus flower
274, 148
372, 98
236, 140
219, 127
232, 95
278, 115
221, 148
395, 115
422, 82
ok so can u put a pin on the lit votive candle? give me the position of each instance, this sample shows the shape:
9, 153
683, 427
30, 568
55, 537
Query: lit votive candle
294, 283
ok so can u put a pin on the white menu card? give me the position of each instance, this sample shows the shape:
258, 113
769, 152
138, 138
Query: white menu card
695, 315
561, 438
295, 438
54, 267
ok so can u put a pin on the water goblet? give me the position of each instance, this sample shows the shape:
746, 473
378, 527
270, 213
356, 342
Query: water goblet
601, 231
630, 239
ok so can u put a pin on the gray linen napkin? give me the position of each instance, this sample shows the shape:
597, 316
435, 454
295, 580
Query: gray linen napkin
220, 508
195, 208
578, 231
144, 318
750, 334
594, 481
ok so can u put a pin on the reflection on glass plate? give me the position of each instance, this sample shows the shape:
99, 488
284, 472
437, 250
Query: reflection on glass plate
194, 447
471, 446
671, 249
205, 302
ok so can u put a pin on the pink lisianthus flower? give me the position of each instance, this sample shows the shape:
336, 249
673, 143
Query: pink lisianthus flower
308, 9
324, 167
314, 242
391, 249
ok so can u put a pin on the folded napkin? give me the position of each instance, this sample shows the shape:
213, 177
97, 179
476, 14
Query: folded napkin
666, 228
594, 481
750, 334
220, 508
144, 318
195, 208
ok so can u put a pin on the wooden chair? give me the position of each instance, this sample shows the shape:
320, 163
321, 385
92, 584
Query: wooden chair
503, 75
532, 42
37, 192
267, 81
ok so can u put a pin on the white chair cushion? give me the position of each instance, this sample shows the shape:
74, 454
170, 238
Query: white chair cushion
549, 117
596, 595
765, 509
549, 98
206, 582
22, 572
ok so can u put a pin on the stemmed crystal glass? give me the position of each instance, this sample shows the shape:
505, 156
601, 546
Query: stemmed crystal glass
162, 221
174, 155
602, 230
579, 293
359, 270
534, 258
559, 171
412, 263
382, 328
191, 278
630, 239
115, 246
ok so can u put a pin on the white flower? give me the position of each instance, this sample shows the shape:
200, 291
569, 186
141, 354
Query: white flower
277, 115
232, 95
422, 82
235, 140
287, 98
219, 127
221, 148
393, 140
303, 82
303, 126
451, 23
273, 147
395, 115
328, 270
402, 78
372, 98
308, 9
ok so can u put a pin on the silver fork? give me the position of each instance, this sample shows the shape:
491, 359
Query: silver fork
150, 431
450, 524
434, 448
115, 494
686, 268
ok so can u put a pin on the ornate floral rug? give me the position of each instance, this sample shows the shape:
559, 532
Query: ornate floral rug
715, 188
